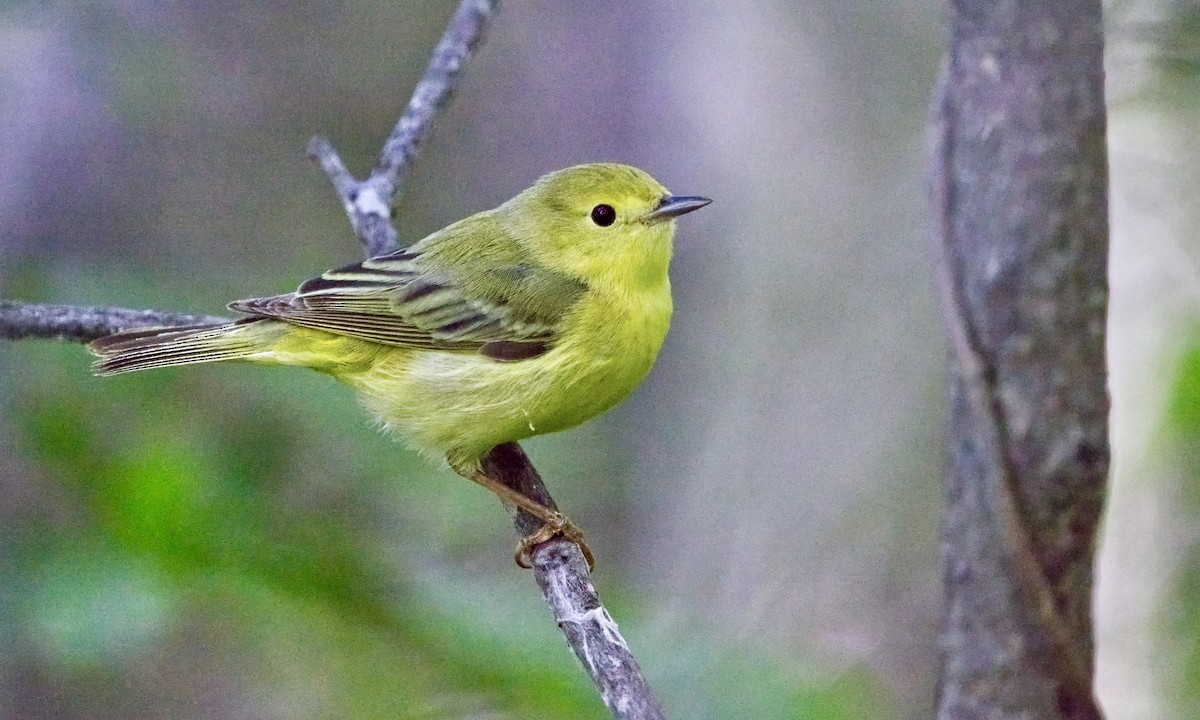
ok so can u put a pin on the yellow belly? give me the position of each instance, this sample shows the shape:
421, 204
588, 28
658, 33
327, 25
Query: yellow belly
461, 405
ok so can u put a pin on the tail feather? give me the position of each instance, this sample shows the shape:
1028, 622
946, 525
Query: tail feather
163, 347
127, 338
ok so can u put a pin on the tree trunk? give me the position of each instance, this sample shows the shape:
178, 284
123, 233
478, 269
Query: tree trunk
1019, 180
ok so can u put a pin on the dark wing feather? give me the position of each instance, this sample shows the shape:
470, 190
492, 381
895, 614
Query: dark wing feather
434, 296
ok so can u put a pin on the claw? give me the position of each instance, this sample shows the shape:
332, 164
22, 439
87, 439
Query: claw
560, 525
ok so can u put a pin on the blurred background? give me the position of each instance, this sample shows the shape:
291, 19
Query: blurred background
239, 542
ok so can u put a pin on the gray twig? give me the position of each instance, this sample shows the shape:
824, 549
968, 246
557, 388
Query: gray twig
368, 203
559, 567
562, 574
76, 323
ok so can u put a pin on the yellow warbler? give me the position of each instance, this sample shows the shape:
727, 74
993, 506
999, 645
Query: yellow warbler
526, 319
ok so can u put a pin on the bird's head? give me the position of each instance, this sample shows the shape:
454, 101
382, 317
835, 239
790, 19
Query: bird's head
602, 223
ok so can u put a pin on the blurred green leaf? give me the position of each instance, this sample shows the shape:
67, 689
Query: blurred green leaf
1183, 439
96, 605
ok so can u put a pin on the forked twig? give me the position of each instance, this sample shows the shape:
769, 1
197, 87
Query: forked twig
369, 202
559, 567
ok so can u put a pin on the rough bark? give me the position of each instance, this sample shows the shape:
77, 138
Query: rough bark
1019, 179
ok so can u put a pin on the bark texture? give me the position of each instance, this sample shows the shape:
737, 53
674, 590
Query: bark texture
1019, 180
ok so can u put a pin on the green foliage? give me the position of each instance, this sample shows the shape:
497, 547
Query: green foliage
1183, 425
183, 507
231, 513
1183, 413
1176, 58
744, 682
87, 605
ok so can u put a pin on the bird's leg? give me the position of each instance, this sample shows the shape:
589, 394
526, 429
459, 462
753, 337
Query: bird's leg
553, 522
561, 525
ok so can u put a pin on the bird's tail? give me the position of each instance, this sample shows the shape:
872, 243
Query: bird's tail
166, 346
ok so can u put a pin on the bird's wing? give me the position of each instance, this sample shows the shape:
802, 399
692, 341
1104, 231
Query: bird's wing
438, 294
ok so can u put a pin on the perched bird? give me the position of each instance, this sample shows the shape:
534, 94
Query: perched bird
522, 320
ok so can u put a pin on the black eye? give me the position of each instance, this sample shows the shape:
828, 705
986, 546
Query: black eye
604, 215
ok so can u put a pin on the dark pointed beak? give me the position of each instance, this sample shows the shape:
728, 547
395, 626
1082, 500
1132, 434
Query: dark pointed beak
675, 205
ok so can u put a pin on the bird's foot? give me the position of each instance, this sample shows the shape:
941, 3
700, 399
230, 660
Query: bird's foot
554, 526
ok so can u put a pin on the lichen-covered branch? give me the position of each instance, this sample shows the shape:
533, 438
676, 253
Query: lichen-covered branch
19, 321
369, 202
1019, 181
558, 565
562, 574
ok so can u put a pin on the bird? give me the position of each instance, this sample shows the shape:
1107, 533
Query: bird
525, 319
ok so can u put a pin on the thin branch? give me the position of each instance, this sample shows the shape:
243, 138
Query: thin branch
562, 574
368, 203
558, 565
74, 323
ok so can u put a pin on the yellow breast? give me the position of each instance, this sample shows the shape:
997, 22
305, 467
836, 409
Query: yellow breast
462, 405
